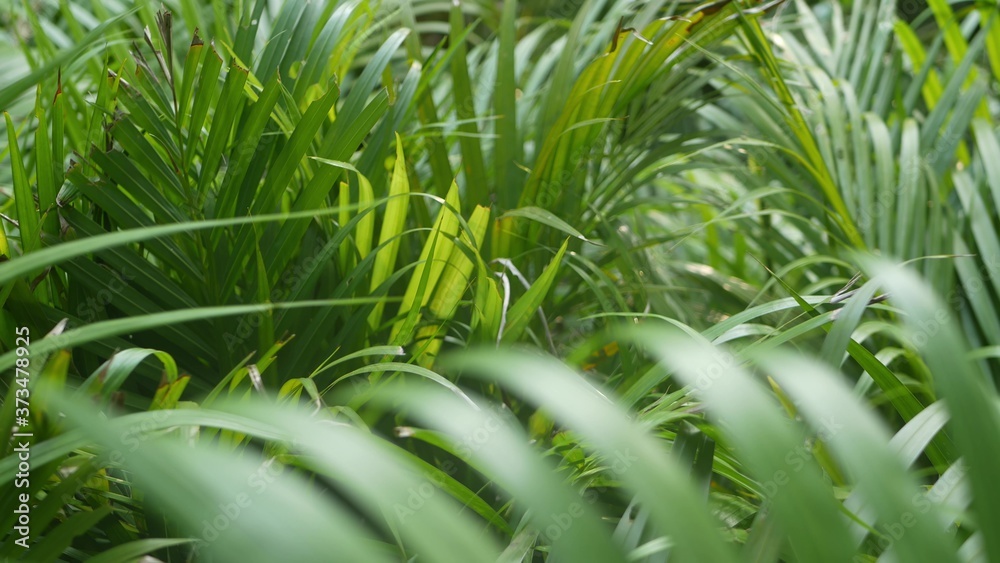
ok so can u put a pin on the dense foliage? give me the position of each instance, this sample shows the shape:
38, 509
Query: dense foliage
553, 280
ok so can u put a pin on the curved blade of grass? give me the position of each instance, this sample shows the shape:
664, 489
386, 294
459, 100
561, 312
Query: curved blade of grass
12, 269
859, 441
650, 475
770, 447
974, 418
131, 551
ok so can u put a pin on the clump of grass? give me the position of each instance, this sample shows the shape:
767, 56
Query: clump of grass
482, 281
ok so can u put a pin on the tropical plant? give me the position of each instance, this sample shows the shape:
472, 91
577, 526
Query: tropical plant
559, 281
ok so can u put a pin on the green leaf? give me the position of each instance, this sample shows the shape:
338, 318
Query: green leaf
525, 308
392, 226
465, 110
432, 262
974, 418
452, 284
24, 197
51, 547
131, 551
9, 93
548, 218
